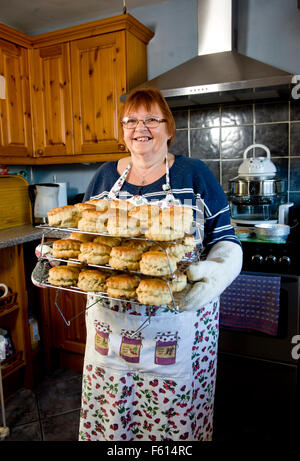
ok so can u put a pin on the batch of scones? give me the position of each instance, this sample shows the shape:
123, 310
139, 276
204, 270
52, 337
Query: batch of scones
121, 220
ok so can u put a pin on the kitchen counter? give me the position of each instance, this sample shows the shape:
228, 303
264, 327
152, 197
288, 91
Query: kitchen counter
22, 234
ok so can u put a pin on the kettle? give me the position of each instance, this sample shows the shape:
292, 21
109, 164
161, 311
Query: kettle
257, 166
44, 197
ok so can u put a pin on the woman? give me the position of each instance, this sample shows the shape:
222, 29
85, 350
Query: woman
149, 398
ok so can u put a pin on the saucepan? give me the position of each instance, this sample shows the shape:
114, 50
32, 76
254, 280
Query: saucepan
269, 231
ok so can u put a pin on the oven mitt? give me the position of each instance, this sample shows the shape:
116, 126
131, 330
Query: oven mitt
222, 265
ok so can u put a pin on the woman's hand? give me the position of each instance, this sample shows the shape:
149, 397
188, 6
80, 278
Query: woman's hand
213, 276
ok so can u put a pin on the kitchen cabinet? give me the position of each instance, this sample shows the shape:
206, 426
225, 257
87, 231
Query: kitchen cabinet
98, 79
76, 78
17, 368
64, 345
51, 101
15, 110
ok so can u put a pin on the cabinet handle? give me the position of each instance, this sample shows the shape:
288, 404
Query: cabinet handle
121, 147
39, 152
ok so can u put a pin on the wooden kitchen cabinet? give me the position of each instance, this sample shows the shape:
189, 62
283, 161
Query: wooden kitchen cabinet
17, 368
15, 110
51, 101
76, 78
64, 345
98, 80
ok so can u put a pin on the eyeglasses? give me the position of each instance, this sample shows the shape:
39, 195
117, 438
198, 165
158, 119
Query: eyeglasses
149, 122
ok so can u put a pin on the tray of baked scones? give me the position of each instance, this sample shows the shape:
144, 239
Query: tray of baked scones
121, 251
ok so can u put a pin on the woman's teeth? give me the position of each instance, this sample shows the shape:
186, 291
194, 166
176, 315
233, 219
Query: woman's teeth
143, 138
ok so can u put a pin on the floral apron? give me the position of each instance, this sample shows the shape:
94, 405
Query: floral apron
149, 372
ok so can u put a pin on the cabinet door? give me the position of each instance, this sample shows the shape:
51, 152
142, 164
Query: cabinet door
51, 97
69, 338
15, 116
98, 80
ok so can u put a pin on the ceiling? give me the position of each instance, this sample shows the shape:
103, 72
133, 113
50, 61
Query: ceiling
37, 16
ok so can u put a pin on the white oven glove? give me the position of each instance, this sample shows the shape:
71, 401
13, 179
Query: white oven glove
212, 276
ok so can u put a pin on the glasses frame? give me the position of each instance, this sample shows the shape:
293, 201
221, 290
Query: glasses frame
144, 120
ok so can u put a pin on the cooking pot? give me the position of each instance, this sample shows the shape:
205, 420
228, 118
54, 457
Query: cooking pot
268, 231
257, 166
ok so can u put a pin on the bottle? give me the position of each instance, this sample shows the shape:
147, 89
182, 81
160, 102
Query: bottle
34, 330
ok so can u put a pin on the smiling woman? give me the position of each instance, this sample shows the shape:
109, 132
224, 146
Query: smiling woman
156, 380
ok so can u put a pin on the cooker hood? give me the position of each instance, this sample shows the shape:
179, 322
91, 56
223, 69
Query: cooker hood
219, 73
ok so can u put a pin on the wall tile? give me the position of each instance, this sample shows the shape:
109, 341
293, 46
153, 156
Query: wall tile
271, 112
294, 174
237, 115
295, 110
229, 171
214, 166
234, 141
205, 143
282, 165
295, 138
274, 136
202, 118
180, 144
181, 118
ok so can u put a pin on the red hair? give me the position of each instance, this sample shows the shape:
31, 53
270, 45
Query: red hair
147, 97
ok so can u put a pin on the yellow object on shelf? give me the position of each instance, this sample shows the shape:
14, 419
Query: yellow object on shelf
15, 205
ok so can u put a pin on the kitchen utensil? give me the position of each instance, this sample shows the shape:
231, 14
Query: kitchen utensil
269, 231
44, 198
257, 194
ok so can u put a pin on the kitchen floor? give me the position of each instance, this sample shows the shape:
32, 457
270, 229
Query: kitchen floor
48, 413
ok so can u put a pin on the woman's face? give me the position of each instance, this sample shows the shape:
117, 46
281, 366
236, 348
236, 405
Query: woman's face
147, 141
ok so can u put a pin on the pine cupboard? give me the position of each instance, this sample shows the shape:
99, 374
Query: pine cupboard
76, 78
15, 110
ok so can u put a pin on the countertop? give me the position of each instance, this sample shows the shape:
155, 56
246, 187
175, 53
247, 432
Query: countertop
22, 234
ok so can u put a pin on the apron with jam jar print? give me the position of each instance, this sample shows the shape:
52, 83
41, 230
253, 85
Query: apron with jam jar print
149, 372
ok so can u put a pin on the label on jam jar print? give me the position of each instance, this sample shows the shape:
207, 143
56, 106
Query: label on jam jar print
165, 349
101, 337
130, 346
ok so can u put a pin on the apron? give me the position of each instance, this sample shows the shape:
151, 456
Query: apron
149, 372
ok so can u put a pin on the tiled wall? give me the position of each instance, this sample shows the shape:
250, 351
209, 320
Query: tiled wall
219, 135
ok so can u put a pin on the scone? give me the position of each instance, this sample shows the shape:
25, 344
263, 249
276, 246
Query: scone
122, 286
121, 205
171, 224
119, 224
179, 283
63, 276
94, 253
145, 214
142, 245
100, 204
108, 240
65, 216
154, 292
123, 257
175, 249
80, 207
157, 263
92, 280
188, 244
66, 248
93, 221
81, 237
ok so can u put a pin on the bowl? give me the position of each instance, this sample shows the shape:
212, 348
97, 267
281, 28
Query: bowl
267, 231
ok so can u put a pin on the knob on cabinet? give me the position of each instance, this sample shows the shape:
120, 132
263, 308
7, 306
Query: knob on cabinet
271, 259
257, 259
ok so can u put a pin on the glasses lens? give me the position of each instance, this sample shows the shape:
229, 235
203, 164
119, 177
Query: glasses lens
130, 122
151, 122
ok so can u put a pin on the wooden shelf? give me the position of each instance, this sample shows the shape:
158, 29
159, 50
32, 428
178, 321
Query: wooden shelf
12, 363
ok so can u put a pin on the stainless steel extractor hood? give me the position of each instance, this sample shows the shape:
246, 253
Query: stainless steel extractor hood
219, 73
